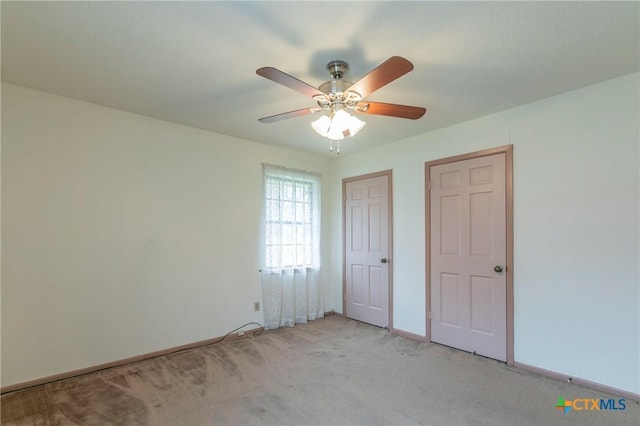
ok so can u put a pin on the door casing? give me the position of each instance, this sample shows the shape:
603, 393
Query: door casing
508, 151
389, 175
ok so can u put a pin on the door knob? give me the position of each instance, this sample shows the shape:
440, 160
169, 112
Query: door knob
498, 268
383, 260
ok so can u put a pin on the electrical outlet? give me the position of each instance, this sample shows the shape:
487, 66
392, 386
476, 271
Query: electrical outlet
256, 306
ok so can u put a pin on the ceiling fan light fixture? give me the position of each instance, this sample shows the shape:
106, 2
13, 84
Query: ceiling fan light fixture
346, 122
339, 125
339, 96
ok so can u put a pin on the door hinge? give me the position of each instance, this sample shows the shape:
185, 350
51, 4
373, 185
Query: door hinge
429, 314
429, 185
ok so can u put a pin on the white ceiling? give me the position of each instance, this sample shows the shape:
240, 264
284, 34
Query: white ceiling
194, 62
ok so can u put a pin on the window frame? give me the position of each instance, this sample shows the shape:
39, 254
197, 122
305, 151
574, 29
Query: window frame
289, 241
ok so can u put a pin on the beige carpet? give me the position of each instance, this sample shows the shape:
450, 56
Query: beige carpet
332, 371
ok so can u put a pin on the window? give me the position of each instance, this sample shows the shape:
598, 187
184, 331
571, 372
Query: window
291, 218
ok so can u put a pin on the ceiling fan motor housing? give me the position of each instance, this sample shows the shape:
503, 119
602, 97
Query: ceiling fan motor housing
337, 69
335, 86
336, 89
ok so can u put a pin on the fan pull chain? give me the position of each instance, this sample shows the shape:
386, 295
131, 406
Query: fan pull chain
331, 146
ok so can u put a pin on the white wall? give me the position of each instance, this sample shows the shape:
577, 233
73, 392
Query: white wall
118, 238
576, 219
123, 235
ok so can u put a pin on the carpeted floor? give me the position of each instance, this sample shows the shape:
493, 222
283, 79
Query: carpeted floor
332, 371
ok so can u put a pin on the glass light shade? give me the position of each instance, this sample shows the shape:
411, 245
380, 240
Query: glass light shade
322, 125
342, 124
355, 125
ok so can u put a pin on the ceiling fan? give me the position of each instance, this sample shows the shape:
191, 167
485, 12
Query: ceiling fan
339, 96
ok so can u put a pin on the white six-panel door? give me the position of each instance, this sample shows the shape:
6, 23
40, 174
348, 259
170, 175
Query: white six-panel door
366, 244
468, 307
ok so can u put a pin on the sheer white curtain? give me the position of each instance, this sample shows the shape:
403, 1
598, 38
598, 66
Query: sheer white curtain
291, 284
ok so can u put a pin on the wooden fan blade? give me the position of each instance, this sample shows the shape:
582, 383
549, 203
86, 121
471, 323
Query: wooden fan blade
391, 110
291, 82
383, 74
290, 114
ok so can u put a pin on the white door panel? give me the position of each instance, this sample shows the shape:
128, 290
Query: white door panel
468, 240
366, 244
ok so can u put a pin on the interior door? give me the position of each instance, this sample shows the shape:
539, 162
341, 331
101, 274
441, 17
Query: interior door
367, 249
468, 308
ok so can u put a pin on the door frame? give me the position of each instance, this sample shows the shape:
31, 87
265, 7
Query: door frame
508, 170
345, 181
